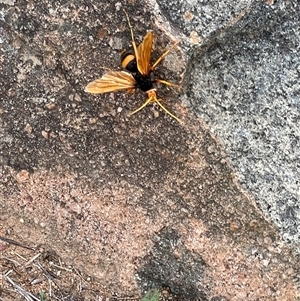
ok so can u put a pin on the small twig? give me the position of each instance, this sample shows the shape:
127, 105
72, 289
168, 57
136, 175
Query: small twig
33, 259
13, 261
59, 261
60, 267
50, 288
46, 273
13, 242
77, 272
79, 286
128, 298
20, 256
27, 295
8, 272
36, 281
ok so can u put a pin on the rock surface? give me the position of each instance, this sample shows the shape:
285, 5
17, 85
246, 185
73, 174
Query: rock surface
141, 202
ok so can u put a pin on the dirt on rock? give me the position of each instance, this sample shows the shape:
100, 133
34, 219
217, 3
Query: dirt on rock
96, 204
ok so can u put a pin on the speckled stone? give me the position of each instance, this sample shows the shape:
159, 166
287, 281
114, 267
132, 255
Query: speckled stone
245, 86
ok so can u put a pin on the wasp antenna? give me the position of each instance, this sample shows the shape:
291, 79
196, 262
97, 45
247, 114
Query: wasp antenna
161, 81
167, 111
163, 55
132, 36
142, 106
129, 24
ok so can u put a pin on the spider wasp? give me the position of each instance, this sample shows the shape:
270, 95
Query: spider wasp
139, 73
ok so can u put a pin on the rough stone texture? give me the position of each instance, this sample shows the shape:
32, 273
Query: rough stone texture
202, 19
135, 202
245, 85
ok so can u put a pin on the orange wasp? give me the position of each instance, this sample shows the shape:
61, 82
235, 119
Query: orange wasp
138, 64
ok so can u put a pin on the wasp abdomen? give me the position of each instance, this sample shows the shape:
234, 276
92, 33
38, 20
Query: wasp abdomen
128, 61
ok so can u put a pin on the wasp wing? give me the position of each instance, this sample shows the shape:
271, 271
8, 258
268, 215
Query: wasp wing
111, 81
144, 54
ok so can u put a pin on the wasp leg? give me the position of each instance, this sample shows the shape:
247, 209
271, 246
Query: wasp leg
163, 55
131, 90
105, 68
161, 81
